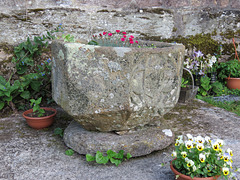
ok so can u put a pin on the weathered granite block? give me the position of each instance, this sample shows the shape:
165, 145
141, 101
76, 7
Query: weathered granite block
116, 88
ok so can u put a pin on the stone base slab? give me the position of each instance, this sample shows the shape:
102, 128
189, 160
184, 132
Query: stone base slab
138, 143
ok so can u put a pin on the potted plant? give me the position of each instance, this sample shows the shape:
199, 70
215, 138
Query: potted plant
39, 117
201, 158
230, 71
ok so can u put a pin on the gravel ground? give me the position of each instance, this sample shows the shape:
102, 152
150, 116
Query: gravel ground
28, 154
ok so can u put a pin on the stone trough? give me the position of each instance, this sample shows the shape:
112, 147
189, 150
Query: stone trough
116, 89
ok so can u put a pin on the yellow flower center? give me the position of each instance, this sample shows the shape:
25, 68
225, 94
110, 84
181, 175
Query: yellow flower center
225, 159
216, 147
225, 173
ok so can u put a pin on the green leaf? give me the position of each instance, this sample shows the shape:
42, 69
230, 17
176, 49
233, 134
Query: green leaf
129, 155
8, 99
1, 104
58, 131
38, 101
101, 159
3, 88
69, 152
89, 157
41, 112
120, 154
25, 94
2, 80
7, 93
35, 108
93, 42
35, 85
111, 153
115, 161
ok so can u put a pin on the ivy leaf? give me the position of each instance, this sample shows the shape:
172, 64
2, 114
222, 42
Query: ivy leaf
58, 131
89, 157
111, 153
69, 152
129, 155
120, 154
115, 161
100, 158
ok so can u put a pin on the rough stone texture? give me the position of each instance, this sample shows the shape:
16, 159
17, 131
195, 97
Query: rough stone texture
146, 19
107, 89
137, 143
5, 63
27, 153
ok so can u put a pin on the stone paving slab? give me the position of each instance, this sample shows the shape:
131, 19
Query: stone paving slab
28, 154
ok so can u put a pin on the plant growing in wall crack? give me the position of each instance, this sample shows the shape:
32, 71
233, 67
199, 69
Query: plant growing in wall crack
115, 158
118, 39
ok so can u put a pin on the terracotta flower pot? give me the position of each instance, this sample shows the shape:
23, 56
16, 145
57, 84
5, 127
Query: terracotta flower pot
233, 83
185, 177
40, 122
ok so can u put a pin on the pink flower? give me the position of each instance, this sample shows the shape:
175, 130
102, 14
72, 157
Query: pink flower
136, 42
109, 34
100, 35
130, 39
131, 36
104, 33
124, 32
122, 39
131, 42
124, 36
118, 31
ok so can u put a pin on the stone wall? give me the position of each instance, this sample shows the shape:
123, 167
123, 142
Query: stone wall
149, 19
